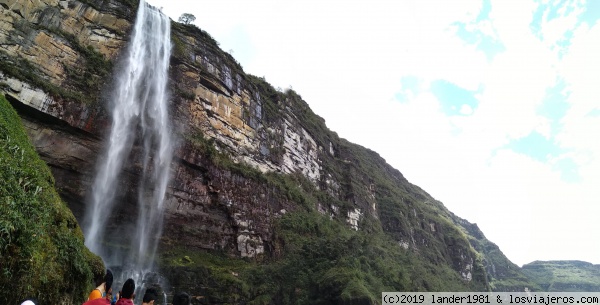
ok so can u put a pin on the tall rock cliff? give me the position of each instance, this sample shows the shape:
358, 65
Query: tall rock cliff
260, 186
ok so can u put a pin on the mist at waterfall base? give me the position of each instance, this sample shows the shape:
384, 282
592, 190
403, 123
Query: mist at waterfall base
140, 137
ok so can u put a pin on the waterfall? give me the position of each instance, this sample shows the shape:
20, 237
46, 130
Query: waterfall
139, 116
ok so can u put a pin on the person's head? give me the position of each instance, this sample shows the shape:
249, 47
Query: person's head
108, 281
128, 289
99, 280
181, 298
150, 296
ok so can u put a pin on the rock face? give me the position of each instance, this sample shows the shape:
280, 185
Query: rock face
235, 134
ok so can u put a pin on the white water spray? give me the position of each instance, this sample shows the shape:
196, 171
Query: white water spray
139, 104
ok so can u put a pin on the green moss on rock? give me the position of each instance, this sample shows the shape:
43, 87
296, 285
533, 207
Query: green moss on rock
41, 245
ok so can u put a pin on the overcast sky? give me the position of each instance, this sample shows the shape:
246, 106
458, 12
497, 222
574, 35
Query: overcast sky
491, 106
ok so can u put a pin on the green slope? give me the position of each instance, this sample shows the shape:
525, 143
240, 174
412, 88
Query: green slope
41, 245
564, 275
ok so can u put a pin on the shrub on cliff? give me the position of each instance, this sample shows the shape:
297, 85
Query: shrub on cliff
42, 254
186, 18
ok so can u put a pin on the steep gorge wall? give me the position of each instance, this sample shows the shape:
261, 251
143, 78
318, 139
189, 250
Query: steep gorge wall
233, 130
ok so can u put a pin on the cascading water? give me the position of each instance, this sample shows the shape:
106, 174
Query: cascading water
139, 115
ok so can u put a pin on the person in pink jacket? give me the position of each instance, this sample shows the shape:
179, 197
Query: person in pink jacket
127, 293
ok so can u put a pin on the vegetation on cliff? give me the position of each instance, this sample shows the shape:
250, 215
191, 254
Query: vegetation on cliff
314, 258
320, 261
41, 245
326, 262
564, 275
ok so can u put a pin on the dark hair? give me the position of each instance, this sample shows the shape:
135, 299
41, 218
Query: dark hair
128, 289
181, 298
150, 295
108, 280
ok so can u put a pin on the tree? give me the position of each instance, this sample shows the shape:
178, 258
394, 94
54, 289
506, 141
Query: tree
186, 18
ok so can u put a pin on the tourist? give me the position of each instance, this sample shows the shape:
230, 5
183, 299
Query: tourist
127, 293
103, 288
181, 298
150, 296
106, 300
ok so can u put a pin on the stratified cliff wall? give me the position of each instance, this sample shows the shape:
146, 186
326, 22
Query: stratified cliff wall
247, 154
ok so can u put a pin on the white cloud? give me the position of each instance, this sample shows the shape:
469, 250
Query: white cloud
511, 19
466, 110
579, 69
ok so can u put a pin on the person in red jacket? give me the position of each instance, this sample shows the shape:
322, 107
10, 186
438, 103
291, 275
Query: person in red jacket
127, 293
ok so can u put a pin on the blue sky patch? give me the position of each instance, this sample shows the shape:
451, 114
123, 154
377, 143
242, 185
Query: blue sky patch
454, 99
536, 21
536, 146
409, 84
485, 10
401, 97
568, 170
491, 47
555, 105
564, 43
591, 13
469, 37
548, 12
553, 9
485, 43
